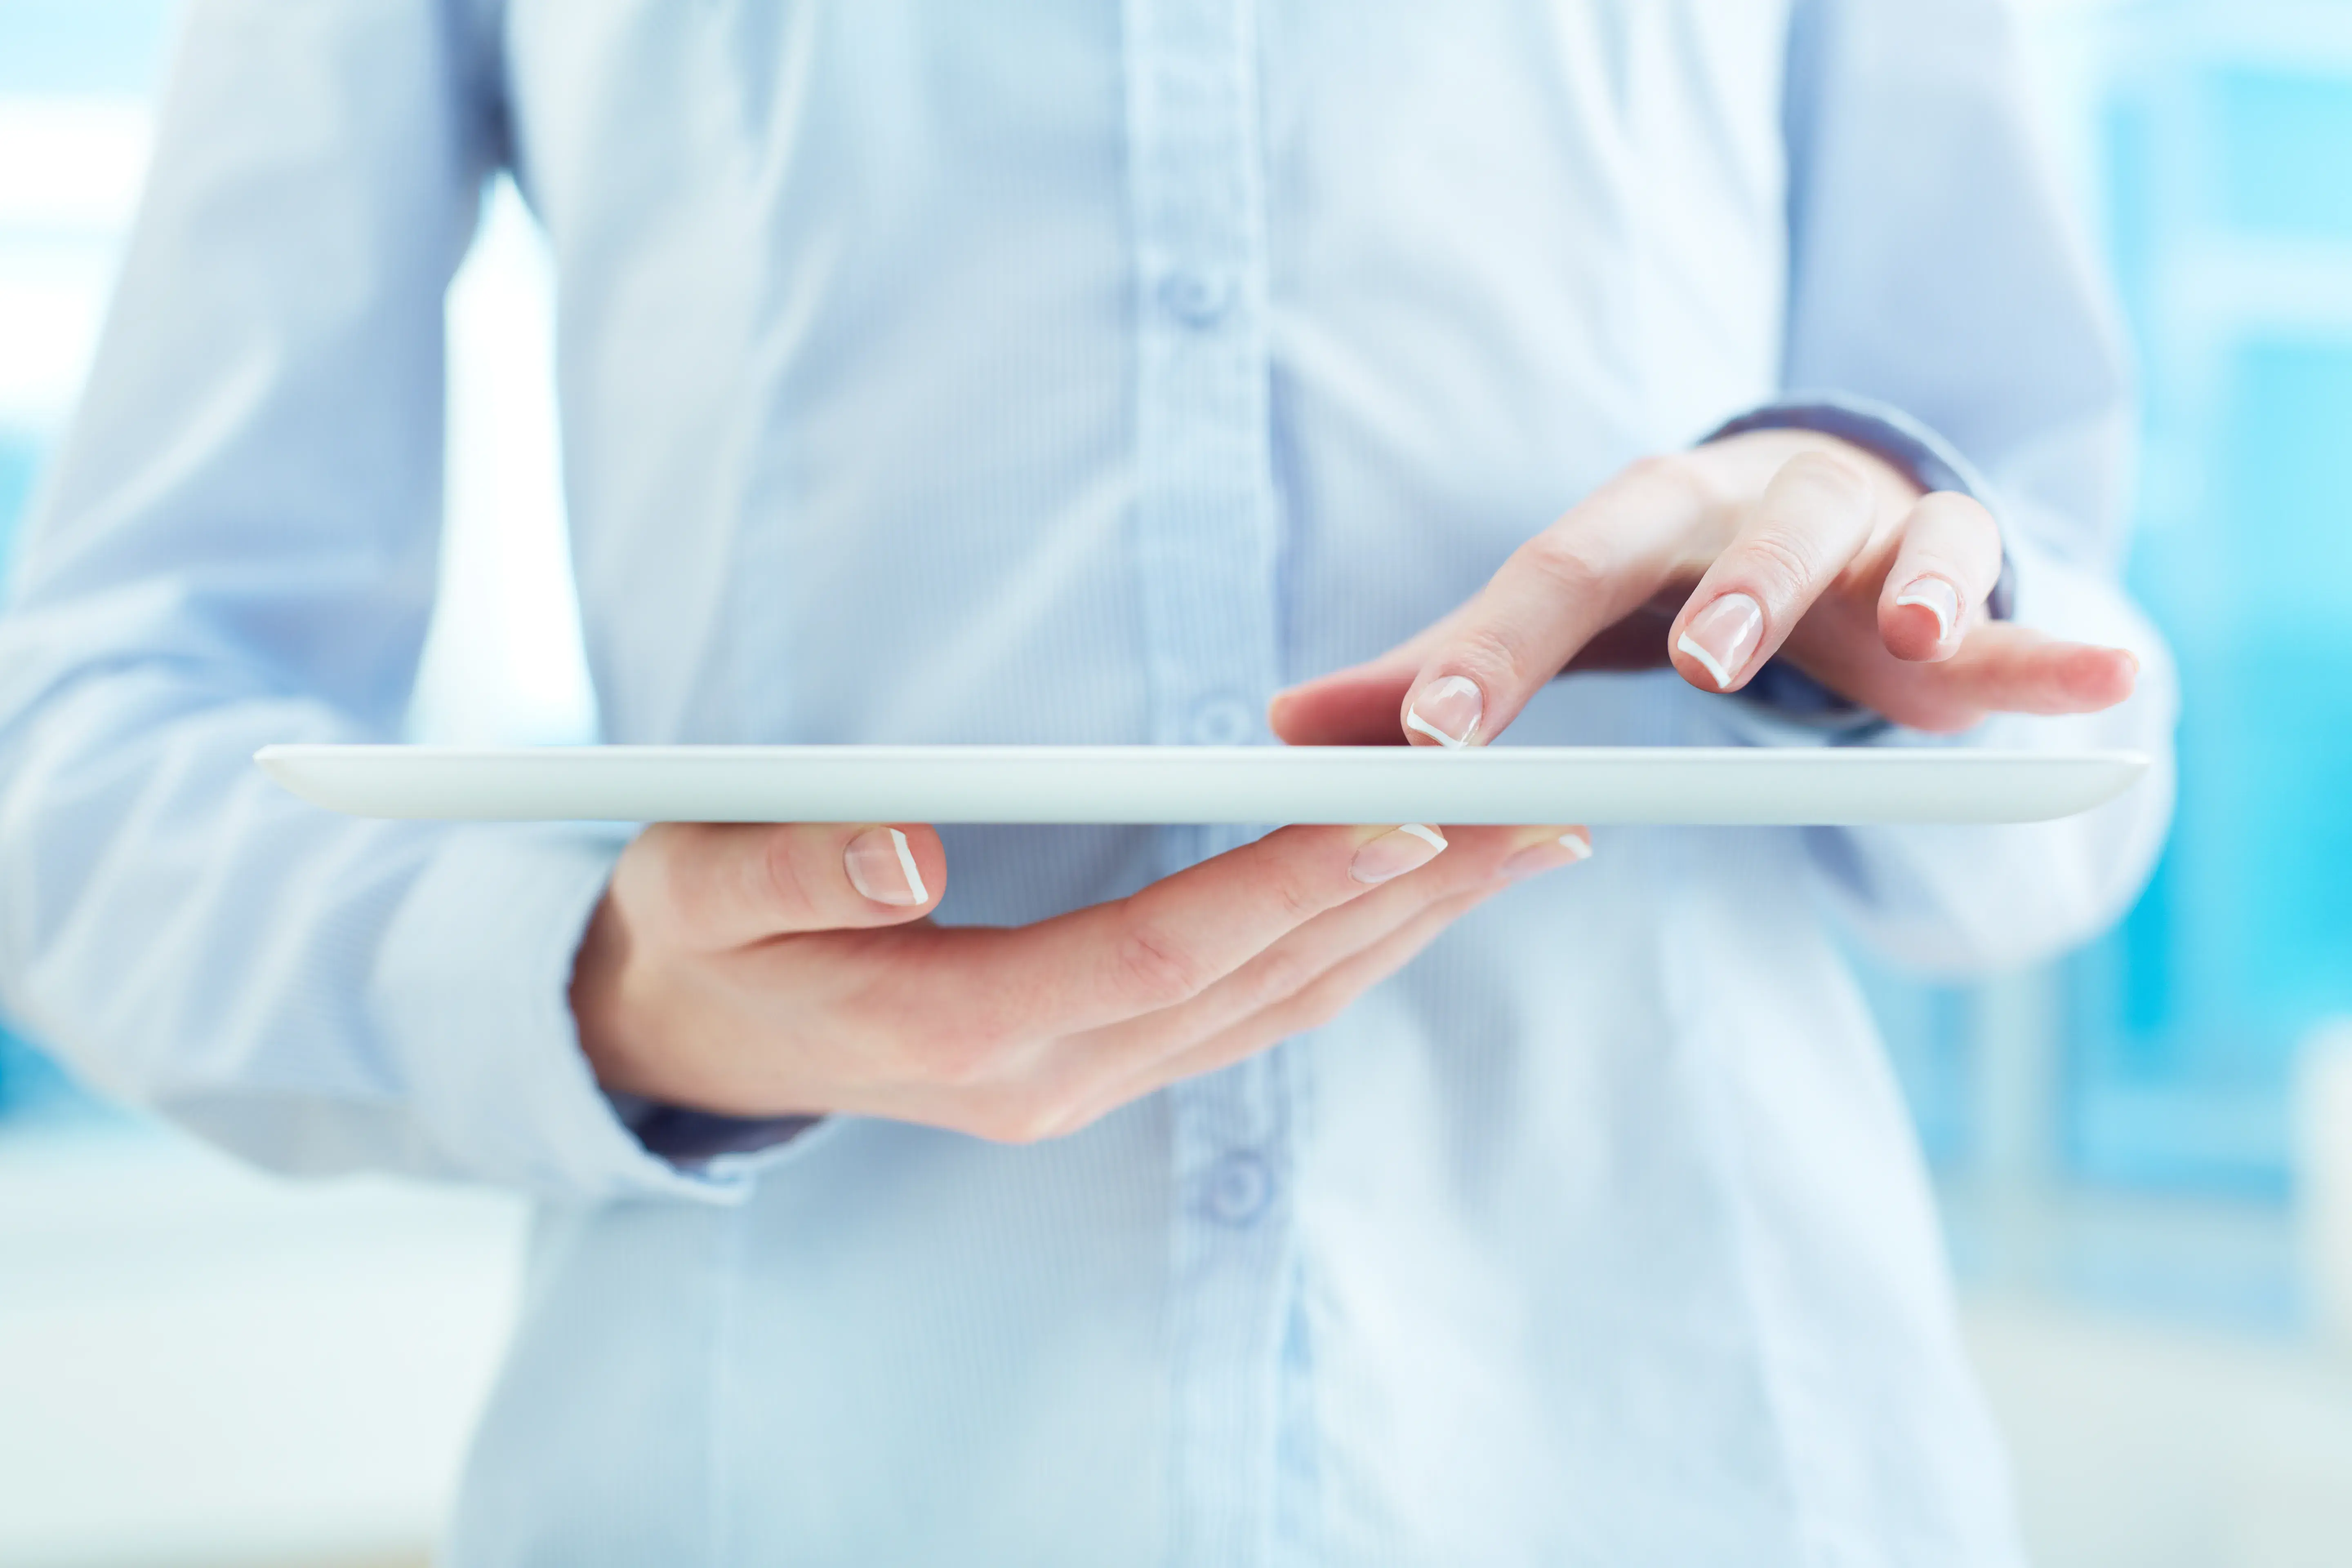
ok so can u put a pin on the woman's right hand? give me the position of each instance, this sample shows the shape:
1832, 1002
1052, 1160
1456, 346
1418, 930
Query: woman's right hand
771, 971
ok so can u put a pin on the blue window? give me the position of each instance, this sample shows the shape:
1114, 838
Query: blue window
27, 1079
2281, 140
18, 460
2220, 153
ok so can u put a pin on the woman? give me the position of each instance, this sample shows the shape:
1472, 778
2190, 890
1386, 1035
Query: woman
1073, 373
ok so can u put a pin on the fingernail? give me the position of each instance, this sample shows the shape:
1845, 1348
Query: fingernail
1537, 858
1448, 711
1394, 853
1938, 598
882, 868
1722, 636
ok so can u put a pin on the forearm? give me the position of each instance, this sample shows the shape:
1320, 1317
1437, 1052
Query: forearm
315, 993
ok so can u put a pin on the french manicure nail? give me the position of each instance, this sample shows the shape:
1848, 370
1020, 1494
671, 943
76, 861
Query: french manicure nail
1395, 852
882, 868
1938, 598
1537, 858
1722, 636
1448, 711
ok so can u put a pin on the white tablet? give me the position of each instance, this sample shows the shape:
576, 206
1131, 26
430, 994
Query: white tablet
1591, 784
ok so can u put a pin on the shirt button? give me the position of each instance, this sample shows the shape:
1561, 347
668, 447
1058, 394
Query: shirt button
1240, 1187
1223, 721
1194, 297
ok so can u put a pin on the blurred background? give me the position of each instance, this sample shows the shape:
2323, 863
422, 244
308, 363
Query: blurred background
2145, 1151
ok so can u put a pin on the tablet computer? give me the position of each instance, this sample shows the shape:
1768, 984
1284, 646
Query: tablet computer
1256, 785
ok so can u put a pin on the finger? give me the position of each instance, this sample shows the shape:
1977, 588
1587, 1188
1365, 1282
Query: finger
723, 885
1945, 566
1558, 591
2000, 669
1315, 1004
1347, 708
1161, 946
1477, 855
1106, 1069
1051, 1099
1811, 521
1357, 706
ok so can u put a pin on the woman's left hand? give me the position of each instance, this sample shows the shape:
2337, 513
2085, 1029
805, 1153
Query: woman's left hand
1716, 560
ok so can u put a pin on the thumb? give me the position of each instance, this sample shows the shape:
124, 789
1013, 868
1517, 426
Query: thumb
1347, 708
1357, 706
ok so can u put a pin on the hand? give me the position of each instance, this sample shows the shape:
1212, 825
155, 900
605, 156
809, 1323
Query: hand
758, 971
1714, 560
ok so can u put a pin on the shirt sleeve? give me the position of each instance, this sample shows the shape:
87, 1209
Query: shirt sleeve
1935, 269
238, 547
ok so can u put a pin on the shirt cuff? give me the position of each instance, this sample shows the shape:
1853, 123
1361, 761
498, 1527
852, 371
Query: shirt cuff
471, 989
687, 1137
1930, 462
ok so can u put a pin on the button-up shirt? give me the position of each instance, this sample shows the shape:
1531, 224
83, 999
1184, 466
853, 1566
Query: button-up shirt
1065, 371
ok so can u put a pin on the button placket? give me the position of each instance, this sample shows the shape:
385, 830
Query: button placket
1206, 538
1239, 1190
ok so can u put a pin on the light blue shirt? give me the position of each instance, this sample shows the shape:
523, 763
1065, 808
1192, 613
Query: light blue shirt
1073, 372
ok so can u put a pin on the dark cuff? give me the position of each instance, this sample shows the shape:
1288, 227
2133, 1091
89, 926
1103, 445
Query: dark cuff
691, 1138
